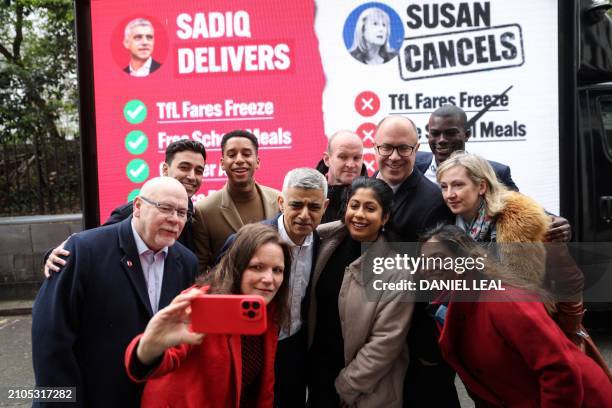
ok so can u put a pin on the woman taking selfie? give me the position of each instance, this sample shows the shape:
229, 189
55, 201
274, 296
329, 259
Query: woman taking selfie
356, 335
186, 369
504, 345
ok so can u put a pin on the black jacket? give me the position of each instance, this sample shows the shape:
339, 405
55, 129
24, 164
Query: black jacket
423, 161
85, 316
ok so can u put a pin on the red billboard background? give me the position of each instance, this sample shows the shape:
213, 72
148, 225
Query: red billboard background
224, 66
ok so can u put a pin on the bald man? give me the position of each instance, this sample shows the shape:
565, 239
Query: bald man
418, 203
417, 206
342, 162
115, 279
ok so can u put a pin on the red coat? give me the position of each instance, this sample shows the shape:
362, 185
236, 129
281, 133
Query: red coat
207, 375
513, 354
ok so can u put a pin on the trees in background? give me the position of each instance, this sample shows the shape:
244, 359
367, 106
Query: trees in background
39, 148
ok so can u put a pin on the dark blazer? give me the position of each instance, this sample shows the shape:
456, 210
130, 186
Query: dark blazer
154, 67
423, 161
124, 211
85, 316
417, 206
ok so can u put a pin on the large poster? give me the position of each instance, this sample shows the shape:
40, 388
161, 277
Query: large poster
216, 66
293, 73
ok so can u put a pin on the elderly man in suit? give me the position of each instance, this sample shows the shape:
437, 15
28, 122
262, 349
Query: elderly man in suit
185, 161
116, 278
448, 131
241, 201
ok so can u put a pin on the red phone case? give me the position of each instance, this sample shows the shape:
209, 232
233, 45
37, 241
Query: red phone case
229, 314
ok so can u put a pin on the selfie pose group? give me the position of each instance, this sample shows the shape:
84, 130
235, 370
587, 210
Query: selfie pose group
114, 316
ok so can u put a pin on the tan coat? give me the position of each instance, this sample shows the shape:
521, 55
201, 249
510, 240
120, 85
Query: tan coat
216, 218
374, 326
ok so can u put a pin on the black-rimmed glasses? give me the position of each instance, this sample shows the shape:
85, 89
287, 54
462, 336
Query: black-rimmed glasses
167, 208
403, 150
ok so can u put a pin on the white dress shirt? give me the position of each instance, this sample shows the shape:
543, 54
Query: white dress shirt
301, 266
142, 71
152, 267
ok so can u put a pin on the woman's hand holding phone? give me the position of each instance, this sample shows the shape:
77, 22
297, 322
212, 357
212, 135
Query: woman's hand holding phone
169, 327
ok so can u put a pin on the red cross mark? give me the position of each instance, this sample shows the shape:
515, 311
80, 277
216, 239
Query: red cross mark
366, 132
367, 103
370, 162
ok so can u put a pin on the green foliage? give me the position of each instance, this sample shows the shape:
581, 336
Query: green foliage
38, 101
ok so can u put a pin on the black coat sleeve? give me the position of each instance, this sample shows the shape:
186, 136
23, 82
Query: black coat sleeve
55, 324
120, 213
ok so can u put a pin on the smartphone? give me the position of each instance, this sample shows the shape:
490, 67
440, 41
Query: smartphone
229, 314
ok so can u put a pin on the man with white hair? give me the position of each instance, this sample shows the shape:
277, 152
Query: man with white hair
139, 40
302, 204
115, 279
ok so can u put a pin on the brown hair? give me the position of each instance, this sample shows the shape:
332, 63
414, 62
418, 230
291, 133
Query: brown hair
226, 276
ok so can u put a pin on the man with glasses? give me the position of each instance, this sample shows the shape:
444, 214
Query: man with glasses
417, 206
448, 131
185, 161
418, 203
116, 278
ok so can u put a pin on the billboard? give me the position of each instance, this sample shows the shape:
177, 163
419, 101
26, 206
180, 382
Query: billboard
293, 73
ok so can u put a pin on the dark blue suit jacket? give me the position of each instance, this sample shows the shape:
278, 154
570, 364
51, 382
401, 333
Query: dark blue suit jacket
417, 207
423, 161
85, 315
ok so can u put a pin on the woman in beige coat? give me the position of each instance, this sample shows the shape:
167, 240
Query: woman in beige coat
356, 330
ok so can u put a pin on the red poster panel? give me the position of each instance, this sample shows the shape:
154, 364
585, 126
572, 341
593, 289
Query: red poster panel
215, 66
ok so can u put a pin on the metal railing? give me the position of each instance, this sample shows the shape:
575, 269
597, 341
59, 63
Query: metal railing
41, 176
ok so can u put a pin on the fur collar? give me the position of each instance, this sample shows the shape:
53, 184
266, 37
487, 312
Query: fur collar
521, 220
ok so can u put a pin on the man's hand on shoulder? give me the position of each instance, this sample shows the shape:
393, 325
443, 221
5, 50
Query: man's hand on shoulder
559, 230
54, 262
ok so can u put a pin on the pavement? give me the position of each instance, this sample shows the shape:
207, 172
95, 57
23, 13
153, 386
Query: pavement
16, 307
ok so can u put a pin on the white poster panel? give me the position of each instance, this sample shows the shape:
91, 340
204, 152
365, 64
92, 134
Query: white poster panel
495, 58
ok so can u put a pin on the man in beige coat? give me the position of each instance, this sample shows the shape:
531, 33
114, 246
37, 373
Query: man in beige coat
241, 201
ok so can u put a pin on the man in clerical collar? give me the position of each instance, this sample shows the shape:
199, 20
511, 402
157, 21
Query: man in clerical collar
139, 40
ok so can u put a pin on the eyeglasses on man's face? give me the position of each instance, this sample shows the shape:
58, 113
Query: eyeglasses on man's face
386, 150
167, 208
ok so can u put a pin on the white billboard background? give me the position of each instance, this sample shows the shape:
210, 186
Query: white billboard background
527, 128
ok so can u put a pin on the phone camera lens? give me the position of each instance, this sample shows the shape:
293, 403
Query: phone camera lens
246, 305
255, 305
251, 314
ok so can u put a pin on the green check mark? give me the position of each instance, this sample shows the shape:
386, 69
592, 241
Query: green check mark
136, 142
137, 170
135, 111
